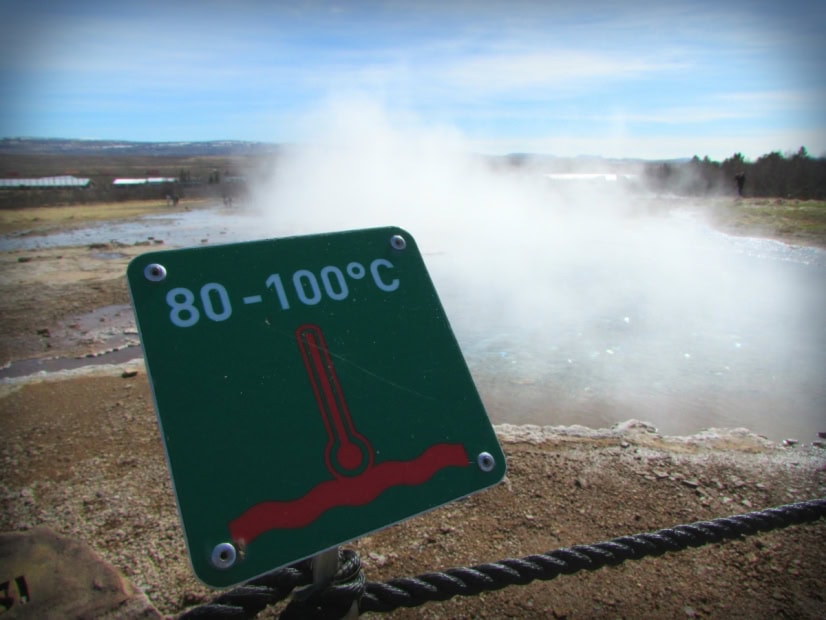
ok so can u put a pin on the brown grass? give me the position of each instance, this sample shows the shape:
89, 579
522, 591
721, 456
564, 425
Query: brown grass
801, 222
44, 219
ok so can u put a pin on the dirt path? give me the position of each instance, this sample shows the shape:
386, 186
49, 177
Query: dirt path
47, 296
49, 292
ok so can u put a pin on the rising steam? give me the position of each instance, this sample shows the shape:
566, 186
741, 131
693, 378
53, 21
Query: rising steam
587, 303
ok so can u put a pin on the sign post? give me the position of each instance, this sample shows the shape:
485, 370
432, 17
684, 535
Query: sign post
309, 390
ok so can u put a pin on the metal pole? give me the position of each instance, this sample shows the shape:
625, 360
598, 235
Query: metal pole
325, 567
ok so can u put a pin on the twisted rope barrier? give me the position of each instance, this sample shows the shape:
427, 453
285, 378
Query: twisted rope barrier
349, 585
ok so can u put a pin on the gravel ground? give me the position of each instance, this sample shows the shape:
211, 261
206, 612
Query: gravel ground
82, 454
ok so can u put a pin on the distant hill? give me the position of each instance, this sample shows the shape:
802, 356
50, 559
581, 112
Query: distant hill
60, 146
229, 148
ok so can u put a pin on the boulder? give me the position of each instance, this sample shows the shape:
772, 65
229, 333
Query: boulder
46, 575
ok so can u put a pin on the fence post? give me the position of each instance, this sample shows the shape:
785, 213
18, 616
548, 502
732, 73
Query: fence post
325, 566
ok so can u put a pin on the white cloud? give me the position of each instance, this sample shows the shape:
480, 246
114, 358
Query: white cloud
495, 73
505, 73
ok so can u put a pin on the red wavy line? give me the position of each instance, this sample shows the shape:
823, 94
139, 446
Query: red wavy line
355, 491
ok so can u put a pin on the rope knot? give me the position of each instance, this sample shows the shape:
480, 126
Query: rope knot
331, 600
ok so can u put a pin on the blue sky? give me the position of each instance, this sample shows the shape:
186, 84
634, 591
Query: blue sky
625, 79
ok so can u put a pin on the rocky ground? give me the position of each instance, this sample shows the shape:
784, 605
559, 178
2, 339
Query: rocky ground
83, 456
81, 453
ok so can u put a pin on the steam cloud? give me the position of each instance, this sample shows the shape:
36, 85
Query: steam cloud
582, 304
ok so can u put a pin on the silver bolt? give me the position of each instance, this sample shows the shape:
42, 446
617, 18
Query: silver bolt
223, 556
397, 242
155, 272
485, 461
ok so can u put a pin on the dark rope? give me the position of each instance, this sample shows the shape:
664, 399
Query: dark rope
248, 599
348, 585
330, 601
414, 591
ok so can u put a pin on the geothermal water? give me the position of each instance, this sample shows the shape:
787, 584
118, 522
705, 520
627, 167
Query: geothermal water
574, 303
664, 320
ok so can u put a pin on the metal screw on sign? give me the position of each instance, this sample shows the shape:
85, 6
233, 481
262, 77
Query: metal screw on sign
485, 461
223, 556
155, 272
397, 242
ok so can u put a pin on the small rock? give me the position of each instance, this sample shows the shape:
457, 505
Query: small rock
44, 331
378, 558
581, 483
189, 598
128, 374
821, 434
790, 442
819, 444
691, 483
746, 503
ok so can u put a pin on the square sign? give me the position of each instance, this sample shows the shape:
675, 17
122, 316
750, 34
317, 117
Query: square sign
309, 390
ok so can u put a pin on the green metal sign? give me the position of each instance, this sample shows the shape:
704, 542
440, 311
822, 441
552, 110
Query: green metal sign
309, 390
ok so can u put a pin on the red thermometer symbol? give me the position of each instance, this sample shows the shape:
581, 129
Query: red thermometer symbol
347, 453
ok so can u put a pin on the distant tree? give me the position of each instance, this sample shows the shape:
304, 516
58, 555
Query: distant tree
770, 174
806, 177
730, 169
